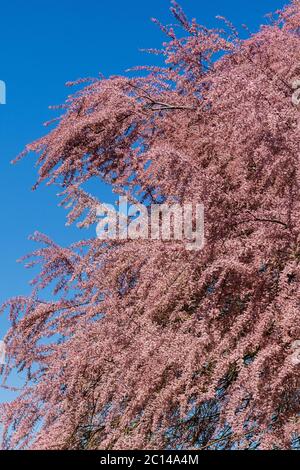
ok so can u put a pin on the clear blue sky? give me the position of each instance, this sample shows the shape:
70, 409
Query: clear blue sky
43, 45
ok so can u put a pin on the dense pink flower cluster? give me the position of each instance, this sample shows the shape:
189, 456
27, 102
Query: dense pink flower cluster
146, 344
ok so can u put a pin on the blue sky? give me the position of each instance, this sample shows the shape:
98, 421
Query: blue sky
43, 45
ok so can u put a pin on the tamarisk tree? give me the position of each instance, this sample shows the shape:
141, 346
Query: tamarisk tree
145, 344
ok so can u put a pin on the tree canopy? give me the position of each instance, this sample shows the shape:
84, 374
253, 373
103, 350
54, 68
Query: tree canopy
145, 344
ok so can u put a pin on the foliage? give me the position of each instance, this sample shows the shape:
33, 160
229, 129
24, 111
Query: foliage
148, 345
